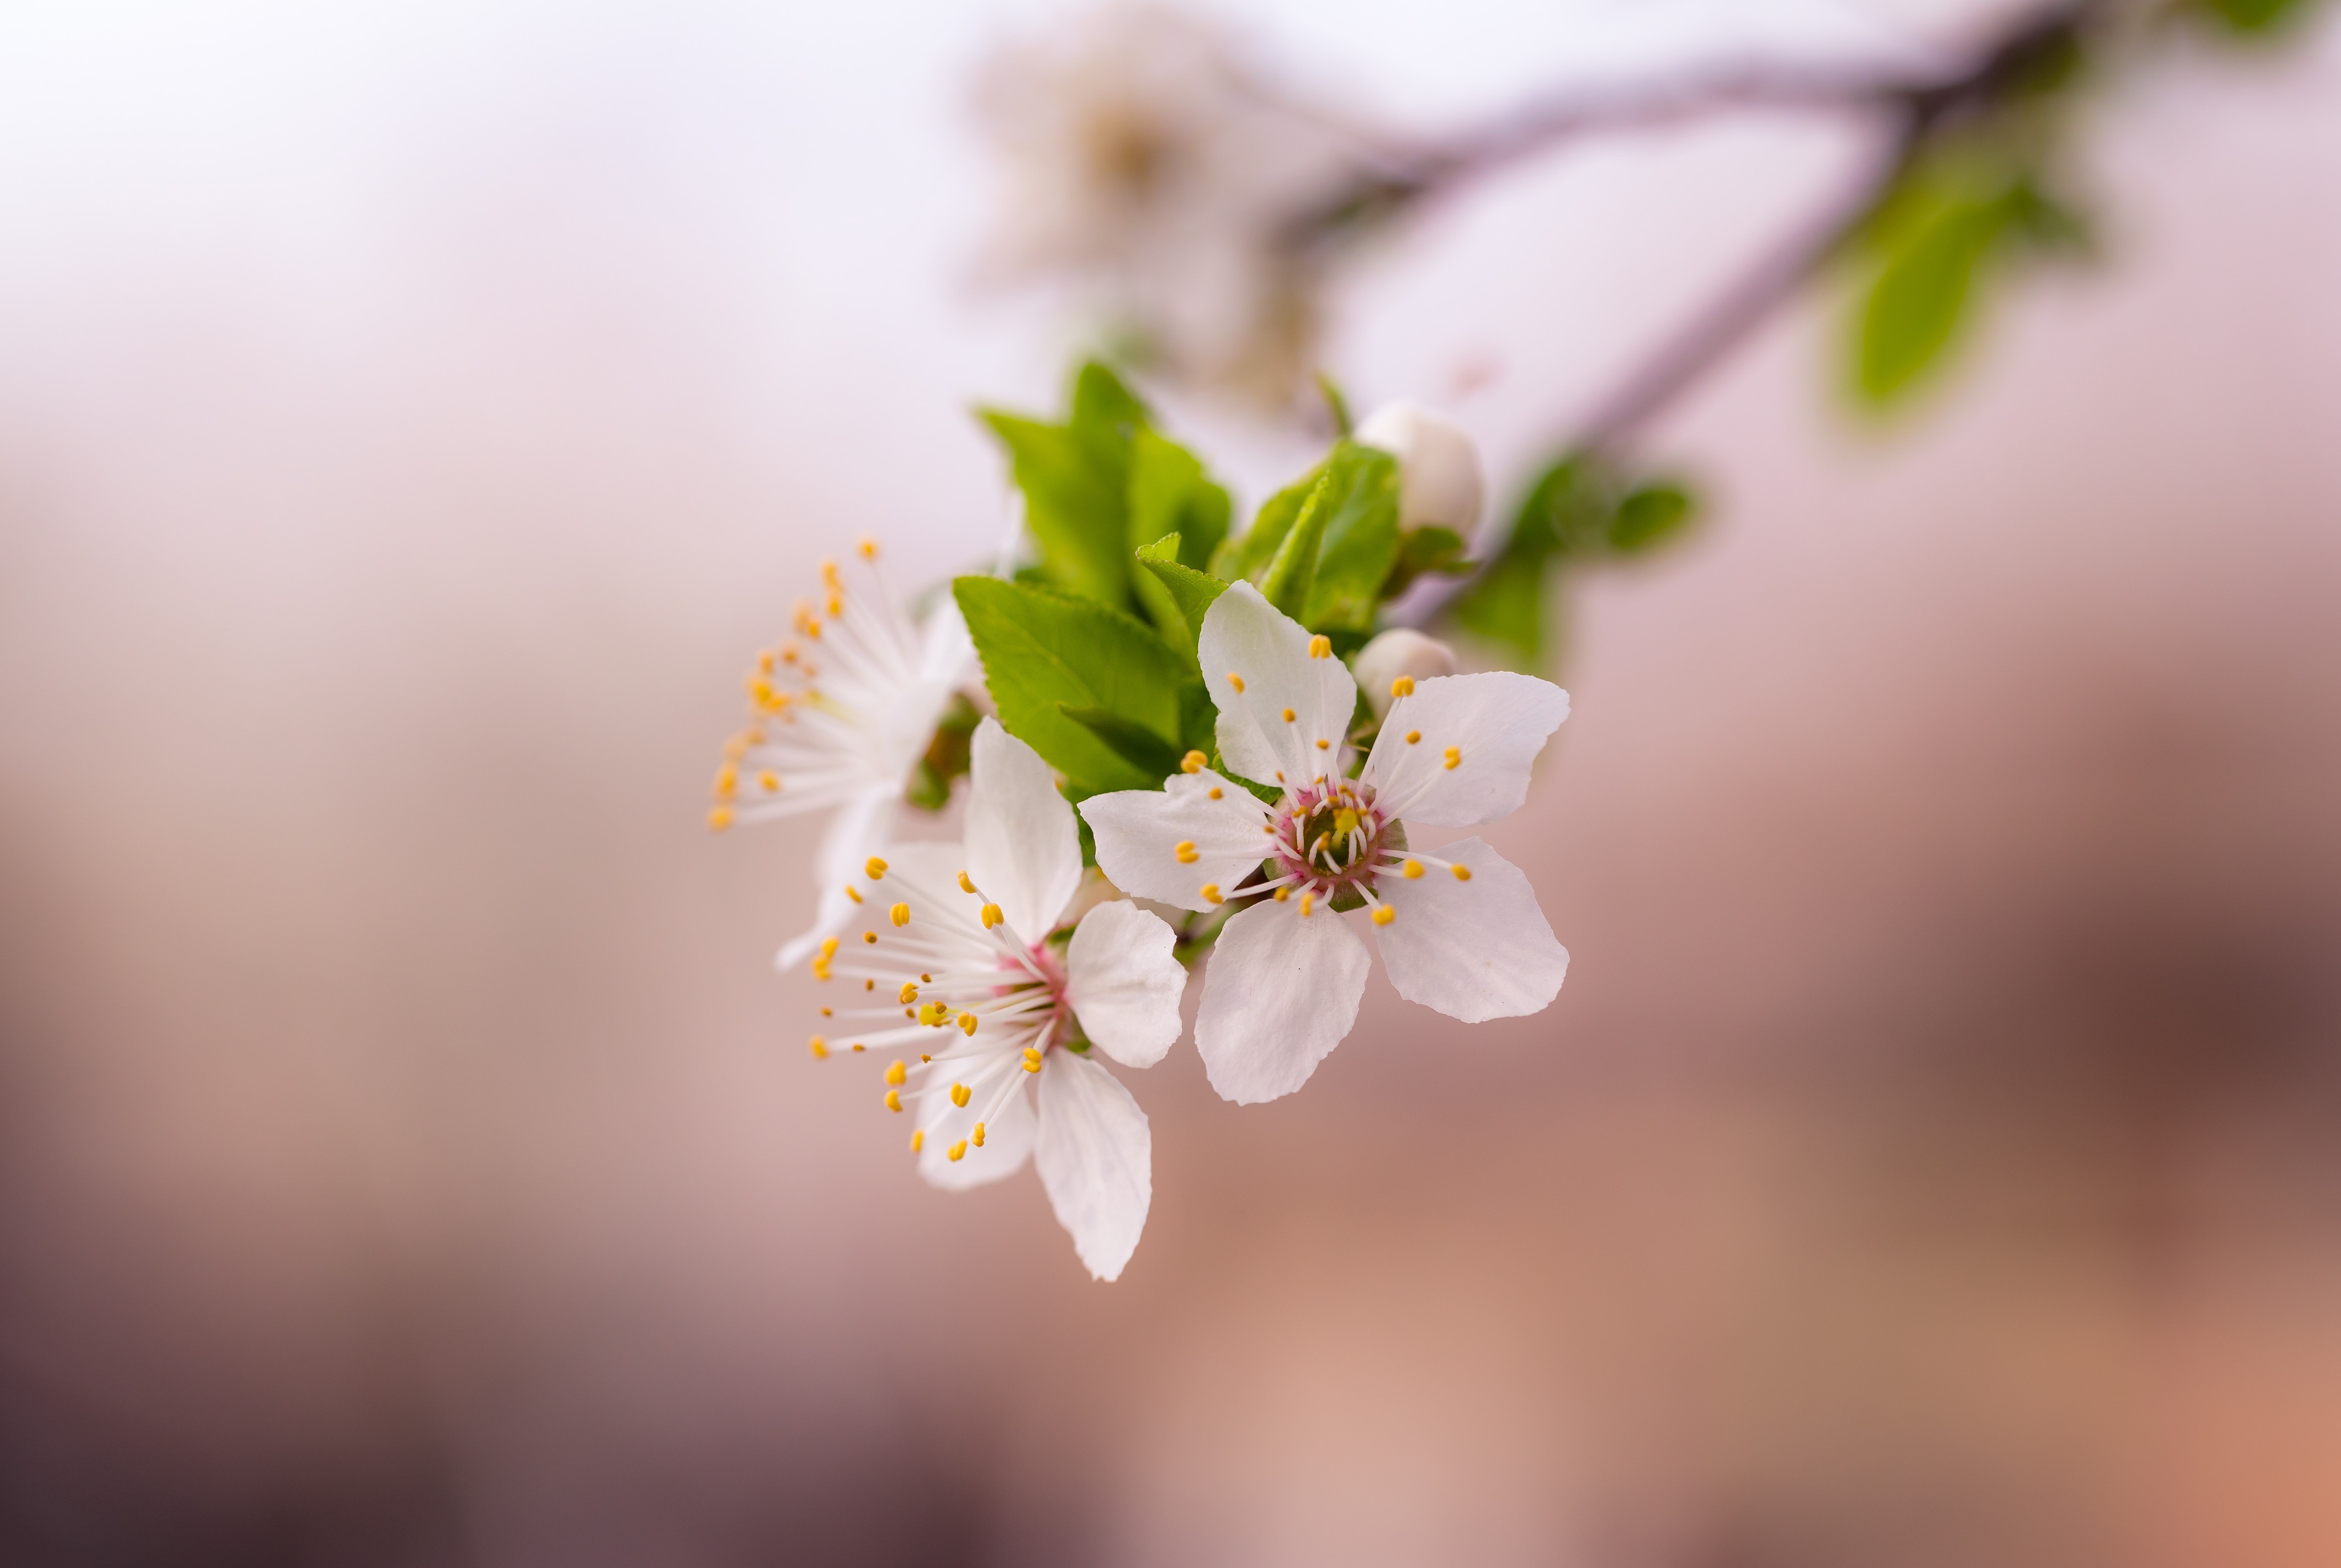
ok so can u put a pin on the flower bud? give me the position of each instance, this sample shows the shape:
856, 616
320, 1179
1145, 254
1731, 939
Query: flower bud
1438, 467
1399, 655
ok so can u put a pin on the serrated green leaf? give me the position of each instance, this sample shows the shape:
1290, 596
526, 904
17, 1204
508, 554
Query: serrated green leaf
1169, 492
1041, 650
1261, 542
1075, 503
1360, 542
1134, 743
1292, 569
1188, 592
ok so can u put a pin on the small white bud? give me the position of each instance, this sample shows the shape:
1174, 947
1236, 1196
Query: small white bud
1396, 654
1438, 467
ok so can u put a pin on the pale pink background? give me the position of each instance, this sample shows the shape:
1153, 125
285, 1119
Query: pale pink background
410, 421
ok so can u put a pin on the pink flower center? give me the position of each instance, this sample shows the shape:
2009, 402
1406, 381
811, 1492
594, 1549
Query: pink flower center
1329, 836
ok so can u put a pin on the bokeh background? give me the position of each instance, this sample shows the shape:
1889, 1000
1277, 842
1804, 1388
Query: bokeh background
412, 417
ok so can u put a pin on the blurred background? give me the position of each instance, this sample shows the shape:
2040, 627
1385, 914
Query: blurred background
412, 417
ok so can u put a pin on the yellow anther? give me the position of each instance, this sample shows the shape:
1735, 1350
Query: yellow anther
1318, 848
1236, 680
991, 916
910, 1012
909, 994
858, 1046
718, 819
967, 1022
960, 1093
1402, 686
900, 914
869, 985
736, 748
1032, 1053
1463, 873
820, 968
1384, 914
853, 893
1413, 869
918, 1140
1283, 894
1185, 850
933, 1013
727, 782
1345, 822
1212, 893
1308, 903
957, 1151
829, 947
964, 885
836, 606
1031, 1064
870, 937
874, 867
1288, 716
924, 1059
869, 549
1320, 648
893, 1099
1413, 736
1215, 792
926, 979
1454, 757
763, 661
1193, 763
896, 1072
819, 1046
826, 1013
768, 782
977, 1138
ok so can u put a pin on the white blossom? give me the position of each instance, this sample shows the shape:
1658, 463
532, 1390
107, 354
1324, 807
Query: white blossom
1144, 157
957, 958
1459, 930
841, 715
1398, 654
1440, 479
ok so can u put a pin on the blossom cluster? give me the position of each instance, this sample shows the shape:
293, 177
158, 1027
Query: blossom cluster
1187, 745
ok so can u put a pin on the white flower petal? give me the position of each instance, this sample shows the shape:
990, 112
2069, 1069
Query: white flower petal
1123, 985
1280, 993
859, 830
1495, 724
1246, 638
1138, 832
1096, 1157
1474, 951
1007, 1136
1023, 851
947, 652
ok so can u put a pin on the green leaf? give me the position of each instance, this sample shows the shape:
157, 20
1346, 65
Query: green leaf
2252, 18
1135, 744
1649, 516
1506, 607
1292, 570
1075, 503
1337, 405
1918, 304
1170, 493
1258, 547
1360, 543
1043, 652
1188, 592
1104, 407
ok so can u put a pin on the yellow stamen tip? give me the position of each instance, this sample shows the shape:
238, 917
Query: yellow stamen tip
852, 893
820, 1049
896, 1072
957, 1151
893, 1100
1324, 746
768, 782
1031, 1064
1283, 894
1402, 686
977, 1140
870, 937
967, 1022
1320, 647
869, 549
909, 994
718, 819
1236, 680
960, 1093
991, 916
1288, 716
874, 867
964, 885
1384, 914
1215, 791
1454, 757
1212, 893
1308, 903
1413, 869
727, 782
900, 914
1193, 763
918, 1140
1463, 873
1413, 736
1185, 850
829, 947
